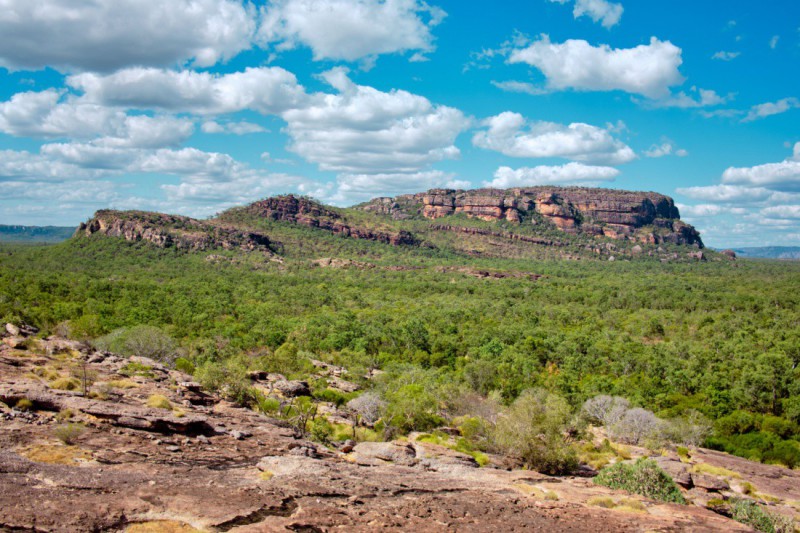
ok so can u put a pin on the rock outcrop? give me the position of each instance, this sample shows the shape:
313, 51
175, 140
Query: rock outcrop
217, 467
644, 216
306, 212
172, 231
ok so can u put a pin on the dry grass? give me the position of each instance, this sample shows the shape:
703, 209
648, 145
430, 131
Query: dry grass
161, 526
628, 505
601, 501
266, 475
703, 468
66, 384
122, 384
24, 404
530, 490
159, 401
55, 454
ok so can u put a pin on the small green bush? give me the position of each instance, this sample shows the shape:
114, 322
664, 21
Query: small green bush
137, 369
69, 433
750, 513
184, 365
643, 477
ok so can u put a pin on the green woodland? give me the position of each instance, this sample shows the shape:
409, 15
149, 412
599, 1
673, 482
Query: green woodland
716, 341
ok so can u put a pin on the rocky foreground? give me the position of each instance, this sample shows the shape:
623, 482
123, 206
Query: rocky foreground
196, 462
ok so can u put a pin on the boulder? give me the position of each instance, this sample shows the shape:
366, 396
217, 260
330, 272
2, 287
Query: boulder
677, 470
375, 453
710, 483
292, 389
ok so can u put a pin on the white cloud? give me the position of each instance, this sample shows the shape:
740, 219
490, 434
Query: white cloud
664, 149
726, 56
567, 174
353, 188
695, 98
108, 35
708, 210
648, 70
791, 212
607, 13
363, 130
773, 43
349, 29
771, 108
235, 128
510, 134
263, 89
726, 193
512, 86
783, 176
796, 154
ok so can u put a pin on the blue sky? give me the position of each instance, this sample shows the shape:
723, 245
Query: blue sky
194, 106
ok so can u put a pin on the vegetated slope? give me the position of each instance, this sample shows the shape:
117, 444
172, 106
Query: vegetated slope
538, 223
45, 234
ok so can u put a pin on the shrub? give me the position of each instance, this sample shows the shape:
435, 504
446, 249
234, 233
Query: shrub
605, 410
137, 369
159, 401
643, 477
24, 404
368, 407
144, 341
69, 433
184, 365
532, 428
321, 430
636, 425
750, 513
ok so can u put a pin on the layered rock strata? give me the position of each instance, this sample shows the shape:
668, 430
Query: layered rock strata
300, 210
643, 216
172, 231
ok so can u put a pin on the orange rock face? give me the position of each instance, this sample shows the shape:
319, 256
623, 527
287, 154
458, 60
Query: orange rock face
610, 213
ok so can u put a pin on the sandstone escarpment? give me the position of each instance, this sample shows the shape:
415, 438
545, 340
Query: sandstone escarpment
300, 210
172, 231
641, 216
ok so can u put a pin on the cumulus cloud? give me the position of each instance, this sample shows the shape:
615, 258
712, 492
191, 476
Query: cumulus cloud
109, 35
567, 174
771, 108
783, 176
726, 194
649, 70
510, 134
349, 29
696, 97
664, 149
773, 43
352, 188
791, 212
512, 86
726, 56
363, 130
263, 89
235, 128
602, 11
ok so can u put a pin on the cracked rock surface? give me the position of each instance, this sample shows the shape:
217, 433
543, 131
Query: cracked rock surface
211, 466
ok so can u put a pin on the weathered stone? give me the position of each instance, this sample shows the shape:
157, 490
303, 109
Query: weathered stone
710, 483
615, 214
166, 231
372, 453
292, 389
